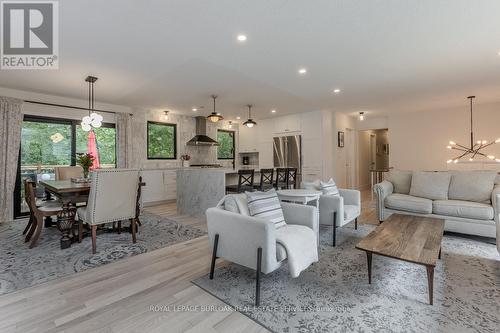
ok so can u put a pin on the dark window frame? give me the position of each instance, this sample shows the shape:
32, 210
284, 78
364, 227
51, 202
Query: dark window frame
147, 139
53, 120
233, 134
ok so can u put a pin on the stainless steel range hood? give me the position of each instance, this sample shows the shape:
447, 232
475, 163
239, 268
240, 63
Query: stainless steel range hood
201, 138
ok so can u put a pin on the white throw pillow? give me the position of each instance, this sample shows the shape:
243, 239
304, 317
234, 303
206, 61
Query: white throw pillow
472, 185
312, 186
431, 185
267, 206
329, 188
400, 179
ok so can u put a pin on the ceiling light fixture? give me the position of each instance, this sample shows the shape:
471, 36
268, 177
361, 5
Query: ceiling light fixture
194, 109
475, 149
241, 38
214, 116
302, 71
361, 116
336, 91
273, 111
238, 118
165, 115
249, 123
93, 120
230, 125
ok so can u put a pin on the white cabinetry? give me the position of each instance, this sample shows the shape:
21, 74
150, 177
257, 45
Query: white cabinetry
161, 185
247, 139
285, 124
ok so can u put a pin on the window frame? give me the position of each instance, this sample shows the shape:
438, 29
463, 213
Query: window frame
233, 134
147, 139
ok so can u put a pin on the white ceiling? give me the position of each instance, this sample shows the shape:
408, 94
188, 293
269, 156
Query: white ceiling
386, 55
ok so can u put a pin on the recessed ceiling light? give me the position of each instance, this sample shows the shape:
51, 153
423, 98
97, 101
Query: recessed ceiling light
336, 91
302, 71
273, 111
241, 38
238, 117
194, 109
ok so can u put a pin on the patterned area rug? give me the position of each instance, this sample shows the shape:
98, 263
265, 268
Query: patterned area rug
333, 295
23, 267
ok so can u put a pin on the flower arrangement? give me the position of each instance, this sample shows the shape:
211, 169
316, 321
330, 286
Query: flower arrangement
185, 157
85, 161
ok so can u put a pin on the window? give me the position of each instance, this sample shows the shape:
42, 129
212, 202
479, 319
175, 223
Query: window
162, 141
225, 150
50, 142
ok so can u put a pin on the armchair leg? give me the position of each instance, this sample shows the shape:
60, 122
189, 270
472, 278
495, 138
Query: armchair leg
257, 277
133, 229
334, 227
214, 256
356, 223
94, 236
80, 231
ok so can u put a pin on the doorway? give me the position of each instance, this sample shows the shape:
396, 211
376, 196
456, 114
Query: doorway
372, 154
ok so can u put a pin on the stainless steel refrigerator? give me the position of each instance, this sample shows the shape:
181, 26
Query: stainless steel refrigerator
287, 153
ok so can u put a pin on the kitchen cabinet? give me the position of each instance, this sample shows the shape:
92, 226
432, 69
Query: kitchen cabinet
287, 124
247, 139
161, 185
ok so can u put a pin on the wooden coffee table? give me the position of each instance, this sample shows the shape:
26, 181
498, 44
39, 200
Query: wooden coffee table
410, 238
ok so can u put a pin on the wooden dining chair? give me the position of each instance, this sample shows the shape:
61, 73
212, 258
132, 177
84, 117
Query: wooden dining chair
291, 180
38, 213
245, 182
266, 180
68, 172
281, 178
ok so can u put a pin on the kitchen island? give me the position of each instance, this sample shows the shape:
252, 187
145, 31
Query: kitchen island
201, 188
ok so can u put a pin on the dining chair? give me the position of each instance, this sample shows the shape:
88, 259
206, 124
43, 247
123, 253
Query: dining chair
245, 182
112, 198
68, 172
281, 178
291, 179
266, 180
37, 212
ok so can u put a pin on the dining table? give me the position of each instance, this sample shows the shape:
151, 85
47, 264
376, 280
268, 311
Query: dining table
69, 193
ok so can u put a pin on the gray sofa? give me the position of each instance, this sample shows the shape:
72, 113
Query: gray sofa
468, 201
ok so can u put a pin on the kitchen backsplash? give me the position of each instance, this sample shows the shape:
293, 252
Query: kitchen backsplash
186, 126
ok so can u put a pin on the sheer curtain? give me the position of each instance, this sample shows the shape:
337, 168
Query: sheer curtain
11, 117
123, 139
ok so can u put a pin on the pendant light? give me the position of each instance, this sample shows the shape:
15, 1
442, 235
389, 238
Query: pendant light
361, 116
93, 120
214, 116
249, 123
475, 149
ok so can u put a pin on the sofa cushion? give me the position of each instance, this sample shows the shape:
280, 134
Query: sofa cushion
236, 203
329, 188
465, 209
280, 252
267, 206
312, 186
430, 185
472, 185
400, 179
408, 203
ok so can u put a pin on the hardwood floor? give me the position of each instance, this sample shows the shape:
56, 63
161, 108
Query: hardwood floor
133, 294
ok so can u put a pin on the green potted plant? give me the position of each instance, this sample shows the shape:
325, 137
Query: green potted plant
85, 161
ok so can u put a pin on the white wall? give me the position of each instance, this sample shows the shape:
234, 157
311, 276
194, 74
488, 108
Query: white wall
418, 140
341, 123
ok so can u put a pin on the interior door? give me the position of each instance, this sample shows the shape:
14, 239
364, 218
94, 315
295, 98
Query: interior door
350, 158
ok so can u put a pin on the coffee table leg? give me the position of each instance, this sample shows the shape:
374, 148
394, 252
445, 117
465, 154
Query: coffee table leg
439, 255
369, 261
430, 282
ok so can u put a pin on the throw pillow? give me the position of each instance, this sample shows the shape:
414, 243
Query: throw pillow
329, 188
400, 179
430, 185
267, 206
472, 185
313, 186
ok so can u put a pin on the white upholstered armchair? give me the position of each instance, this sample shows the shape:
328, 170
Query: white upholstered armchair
112, 198
342, 209
251, 242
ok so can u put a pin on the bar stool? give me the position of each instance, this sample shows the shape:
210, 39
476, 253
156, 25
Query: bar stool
266, 180
281, 178
291, 180
245, 182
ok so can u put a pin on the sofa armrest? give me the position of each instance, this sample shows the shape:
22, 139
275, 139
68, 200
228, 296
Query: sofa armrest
240, 236
495, 201
382, 190
351, 197
301, 214
329, 204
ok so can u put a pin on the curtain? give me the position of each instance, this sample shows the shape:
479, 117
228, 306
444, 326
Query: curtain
123, 139
11, 118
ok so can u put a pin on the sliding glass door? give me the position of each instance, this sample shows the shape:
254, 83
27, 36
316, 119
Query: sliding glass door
50, 142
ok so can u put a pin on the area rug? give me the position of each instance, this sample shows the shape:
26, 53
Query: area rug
333, 295
23, 267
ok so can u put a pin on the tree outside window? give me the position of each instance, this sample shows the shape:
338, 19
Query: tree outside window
225, 150
162, 141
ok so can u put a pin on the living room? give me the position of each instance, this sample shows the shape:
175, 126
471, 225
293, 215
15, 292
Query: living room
285, 166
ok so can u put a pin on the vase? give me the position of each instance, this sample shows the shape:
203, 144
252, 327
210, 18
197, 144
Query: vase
185, 164
86, 173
